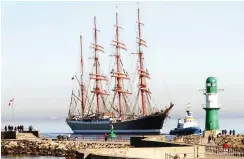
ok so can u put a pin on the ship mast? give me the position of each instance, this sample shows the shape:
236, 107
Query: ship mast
82, 87
119, 75
142, 73
96, 76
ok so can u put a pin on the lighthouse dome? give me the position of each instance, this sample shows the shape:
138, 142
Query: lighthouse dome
211, 85
211, 80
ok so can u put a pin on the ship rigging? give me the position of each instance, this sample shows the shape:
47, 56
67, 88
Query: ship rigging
114, 107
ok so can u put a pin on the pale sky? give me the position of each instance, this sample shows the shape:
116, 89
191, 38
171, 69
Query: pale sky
187, 42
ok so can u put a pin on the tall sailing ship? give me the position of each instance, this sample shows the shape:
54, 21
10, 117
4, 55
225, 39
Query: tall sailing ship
100, 109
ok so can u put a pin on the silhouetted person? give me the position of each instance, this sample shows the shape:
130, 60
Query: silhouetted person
177, 156
68, 137
209, 139
184, 156
22, 127
225, 147
15, 128
212, 137
105, 137
5, 128
30, 128
225, 131
234, 132
230, 132
8, 127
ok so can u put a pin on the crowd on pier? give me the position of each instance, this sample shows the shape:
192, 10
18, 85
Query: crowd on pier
19, 128
231, 132
224, 132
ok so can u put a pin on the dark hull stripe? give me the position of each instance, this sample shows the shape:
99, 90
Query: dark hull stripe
149, 124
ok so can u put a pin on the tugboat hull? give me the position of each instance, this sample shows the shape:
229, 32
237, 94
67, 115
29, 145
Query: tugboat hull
186, 131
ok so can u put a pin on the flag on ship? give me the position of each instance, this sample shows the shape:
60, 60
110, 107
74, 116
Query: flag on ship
11, 102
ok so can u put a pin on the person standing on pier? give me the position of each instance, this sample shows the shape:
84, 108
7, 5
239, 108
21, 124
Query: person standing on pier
105, 136
209, 139
225, 147
177, 156
234, 132
184, 156
230, 132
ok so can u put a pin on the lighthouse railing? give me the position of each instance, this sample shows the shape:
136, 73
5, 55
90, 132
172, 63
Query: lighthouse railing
208, 106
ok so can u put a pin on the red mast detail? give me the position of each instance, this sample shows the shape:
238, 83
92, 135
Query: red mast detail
142, 73
119, 75
96, 76
82, 87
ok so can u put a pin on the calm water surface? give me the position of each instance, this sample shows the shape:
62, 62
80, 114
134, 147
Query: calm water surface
51, 128
59, 126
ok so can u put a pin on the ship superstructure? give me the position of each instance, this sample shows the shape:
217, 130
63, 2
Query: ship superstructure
188, 126
99, 111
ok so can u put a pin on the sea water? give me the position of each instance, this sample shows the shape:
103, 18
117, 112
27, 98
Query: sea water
52, 128
60, 126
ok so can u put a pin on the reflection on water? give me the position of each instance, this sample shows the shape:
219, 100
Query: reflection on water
31, 157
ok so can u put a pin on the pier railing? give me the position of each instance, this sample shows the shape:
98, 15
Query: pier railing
222, 151
205, 155
169, 156
85, 138
188, 155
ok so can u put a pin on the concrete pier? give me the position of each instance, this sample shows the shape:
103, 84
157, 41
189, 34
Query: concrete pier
143, 147
20, 135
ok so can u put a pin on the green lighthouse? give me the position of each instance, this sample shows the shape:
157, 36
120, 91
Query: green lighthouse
212, 106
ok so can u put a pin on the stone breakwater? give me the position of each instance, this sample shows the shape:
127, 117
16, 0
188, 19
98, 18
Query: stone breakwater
235, 142
52, 148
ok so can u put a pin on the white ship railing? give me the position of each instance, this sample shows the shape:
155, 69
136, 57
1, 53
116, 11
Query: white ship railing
101, 138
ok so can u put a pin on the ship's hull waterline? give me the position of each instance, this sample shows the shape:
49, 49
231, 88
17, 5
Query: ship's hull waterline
147, 125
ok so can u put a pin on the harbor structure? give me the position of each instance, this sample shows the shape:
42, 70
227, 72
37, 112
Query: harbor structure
211, 106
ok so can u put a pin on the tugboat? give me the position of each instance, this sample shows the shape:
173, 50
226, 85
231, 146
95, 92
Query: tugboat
189, 127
